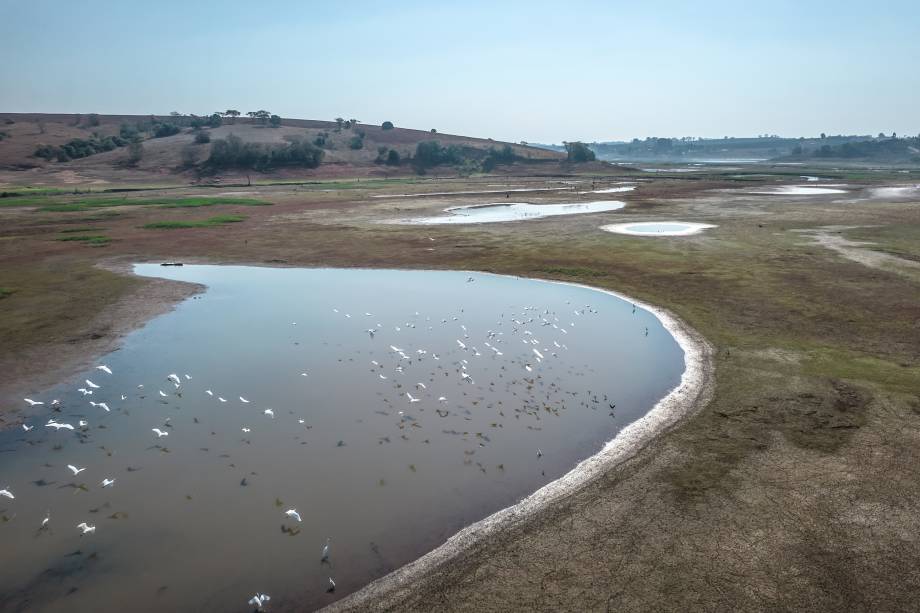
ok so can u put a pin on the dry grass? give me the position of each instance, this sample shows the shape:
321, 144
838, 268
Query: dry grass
795, 488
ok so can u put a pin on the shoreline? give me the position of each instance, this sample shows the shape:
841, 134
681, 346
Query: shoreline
100, 336
693, 393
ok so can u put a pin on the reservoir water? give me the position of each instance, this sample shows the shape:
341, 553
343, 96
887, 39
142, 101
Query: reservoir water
387, 409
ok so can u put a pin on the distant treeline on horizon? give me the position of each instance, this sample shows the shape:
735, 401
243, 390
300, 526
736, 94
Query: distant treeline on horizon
884, 147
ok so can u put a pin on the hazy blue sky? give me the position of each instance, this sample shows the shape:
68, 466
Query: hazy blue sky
537, 71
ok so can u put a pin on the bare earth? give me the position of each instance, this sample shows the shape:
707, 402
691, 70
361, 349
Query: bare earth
795, 487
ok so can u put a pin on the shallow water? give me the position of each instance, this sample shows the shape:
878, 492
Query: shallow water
513, 211
799, 190
654, 228
195, 520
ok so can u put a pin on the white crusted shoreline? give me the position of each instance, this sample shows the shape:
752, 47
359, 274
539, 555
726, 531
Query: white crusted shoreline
692, 393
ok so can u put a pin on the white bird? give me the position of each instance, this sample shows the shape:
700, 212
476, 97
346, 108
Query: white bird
303, 374
174, 378
46, 520
539, 453
537, 353
325, 557
123, 397
442, 399
243, 400
331, 584
411, 399
55, 402
187, 376
82, 423
75, 470
270, 413
57, 426
27, 428
7, 493
462, 346
104, 406
33, 403
246, 430
85, 391
159, 433
161, 393
382, 377
222, 399
107, 482
86, 528
209, 392
91, 384
104, 369
259, 600
293, 513
421, 385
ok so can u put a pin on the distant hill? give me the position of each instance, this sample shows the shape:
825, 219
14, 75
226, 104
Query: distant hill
99, 147
879, 148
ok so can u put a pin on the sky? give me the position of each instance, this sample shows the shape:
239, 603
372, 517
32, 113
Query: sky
533, 71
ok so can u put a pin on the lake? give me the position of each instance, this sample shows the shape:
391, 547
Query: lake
387, 408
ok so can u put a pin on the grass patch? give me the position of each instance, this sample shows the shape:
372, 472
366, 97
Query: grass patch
219, 220
95, 240
6, 292
75, 230
572, 272
69, 205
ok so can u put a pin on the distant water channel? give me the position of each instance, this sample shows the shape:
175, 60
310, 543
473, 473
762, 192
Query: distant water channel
389, 409
513, 211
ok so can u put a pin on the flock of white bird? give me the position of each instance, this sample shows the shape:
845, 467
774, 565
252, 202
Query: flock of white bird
518, 327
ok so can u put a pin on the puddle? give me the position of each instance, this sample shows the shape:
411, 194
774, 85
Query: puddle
655, 228
513, 211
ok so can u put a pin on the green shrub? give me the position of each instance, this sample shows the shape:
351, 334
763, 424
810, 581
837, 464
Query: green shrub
386, 125
202, 138
232, 152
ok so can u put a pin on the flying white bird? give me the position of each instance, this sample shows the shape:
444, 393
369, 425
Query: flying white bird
91, 384
159, 433
108, 482
293, 513
421, 385
259, 600
104, 406
33, 403
269, 412
209, 392
462, 346
161, 393
246, 430
442, 399
411, 399
222, 399
27, 428
86, 528
104, 369
57, 426
7, 493
538, 354
174, 378
46, 520
82, 423
187, 376
75, 470
244, 400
